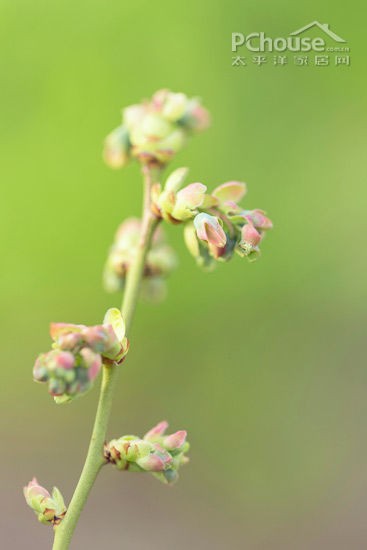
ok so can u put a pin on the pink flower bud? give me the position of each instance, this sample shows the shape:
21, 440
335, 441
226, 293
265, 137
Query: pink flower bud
66, 332
63, 360
156, 453
209, 229
157, 431
175, 441
250, 236
100, 337
92, 361
258, 219
50, 509
34, 490
196, 116
152, 463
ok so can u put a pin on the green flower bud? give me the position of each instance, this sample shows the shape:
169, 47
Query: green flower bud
117, 148
154, 131
50, 509
174, 106
177, 205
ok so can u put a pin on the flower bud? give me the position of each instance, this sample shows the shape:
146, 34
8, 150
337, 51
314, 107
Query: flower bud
102, 339
187, 201
231, 191
157, 453
196, 117
50, 509
157, 431
117, 148
197, 248
175, 441
250, 238
221, 227
161, 260
133, 116
209, 229
92, 362
154, 131
155, 461
177, 205
75, 361
174, 106
66, 335
153, 127
258, 219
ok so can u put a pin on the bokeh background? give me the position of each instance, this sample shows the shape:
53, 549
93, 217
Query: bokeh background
263, 363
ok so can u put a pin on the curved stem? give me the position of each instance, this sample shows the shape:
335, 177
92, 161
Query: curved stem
94, 460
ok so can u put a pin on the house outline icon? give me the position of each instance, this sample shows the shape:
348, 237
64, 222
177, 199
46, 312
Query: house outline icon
322, 26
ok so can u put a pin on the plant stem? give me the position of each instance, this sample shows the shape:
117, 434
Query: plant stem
94, 460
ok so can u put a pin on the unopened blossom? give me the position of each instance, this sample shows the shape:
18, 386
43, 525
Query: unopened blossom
250, 239
116, 148
155, 130
229, 193
222, 227
78, 353
156, 452
161, 260
210, 230
49, 508
176, 204
258, 219
197, 248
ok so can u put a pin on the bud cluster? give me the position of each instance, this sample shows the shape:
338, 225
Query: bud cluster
160, 262
155, 130
78, 353
50, 509
215, 225
160, 454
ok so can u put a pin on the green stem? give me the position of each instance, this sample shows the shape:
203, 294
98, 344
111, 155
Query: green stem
94, 460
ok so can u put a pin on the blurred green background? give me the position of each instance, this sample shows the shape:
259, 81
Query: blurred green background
264, 364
